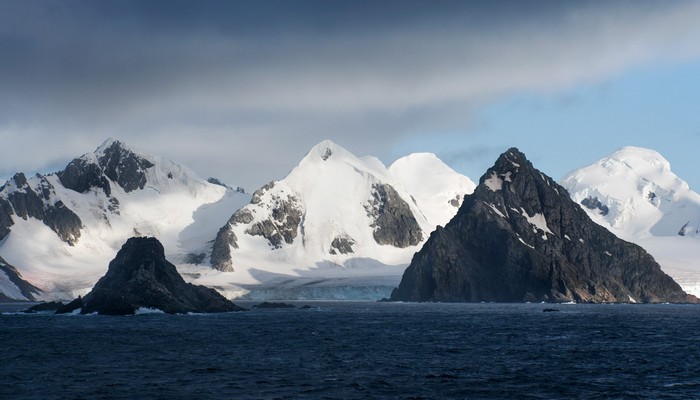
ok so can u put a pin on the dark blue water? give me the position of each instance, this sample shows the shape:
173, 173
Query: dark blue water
359, 351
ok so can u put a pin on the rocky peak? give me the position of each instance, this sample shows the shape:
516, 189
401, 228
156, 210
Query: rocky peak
325, 151
124, 166
519, 237
113, 160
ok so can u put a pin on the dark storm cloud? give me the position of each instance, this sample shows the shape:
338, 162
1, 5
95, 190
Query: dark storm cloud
244, 88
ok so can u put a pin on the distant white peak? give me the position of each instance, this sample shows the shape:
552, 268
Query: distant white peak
417, 161
325, 151
417, 164
639, 159
626, 165
126, 149
420, 157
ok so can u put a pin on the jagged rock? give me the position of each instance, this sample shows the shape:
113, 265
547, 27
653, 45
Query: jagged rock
140, 276
123, 166
221, 251
327, 154
81, 175
27, 289
257, 195
6, 213
216, 181
242, 216
593, 203
195, 258
283, 224
28, 203
343, 245
394, 222
519, 237
43, 307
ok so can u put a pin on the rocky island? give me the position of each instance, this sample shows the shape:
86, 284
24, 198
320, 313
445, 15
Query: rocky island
519, 237
141, 277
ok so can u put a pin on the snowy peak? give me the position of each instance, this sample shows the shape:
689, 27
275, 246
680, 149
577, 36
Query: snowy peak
635, 192
112, 161
326, 150
123, 166
334, 208
641, 161
432, 184
60, 230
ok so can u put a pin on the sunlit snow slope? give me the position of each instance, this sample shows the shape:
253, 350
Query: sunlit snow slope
61, 230
634, 193
337, 226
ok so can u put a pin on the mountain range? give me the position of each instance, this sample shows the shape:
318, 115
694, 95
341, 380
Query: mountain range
336, 227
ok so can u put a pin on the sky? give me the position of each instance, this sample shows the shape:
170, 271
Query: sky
241, 90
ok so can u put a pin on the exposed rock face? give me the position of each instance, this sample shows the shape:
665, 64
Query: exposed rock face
81, 175
140, 276
5, 217
221, 251
593, 203
115, 162
283, 225
39, 202
27, 289
342, 245
394, 223
520, 237
124, 167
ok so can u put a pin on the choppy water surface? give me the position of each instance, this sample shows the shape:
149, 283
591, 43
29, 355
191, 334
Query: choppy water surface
358, 351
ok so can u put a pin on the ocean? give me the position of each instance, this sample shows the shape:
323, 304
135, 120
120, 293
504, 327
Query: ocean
359, 350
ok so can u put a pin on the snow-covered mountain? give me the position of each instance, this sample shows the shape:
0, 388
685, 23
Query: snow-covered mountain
337, 224
60, 230
634, 193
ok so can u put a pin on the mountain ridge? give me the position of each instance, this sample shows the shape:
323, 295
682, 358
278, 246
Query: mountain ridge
62, 236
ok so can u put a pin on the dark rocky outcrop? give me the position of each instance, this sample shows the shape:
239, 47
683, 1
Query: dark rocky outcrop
81, 175
221, 257
593, 203
6, 213
115, 161
27, 289
342, 245
45, 307
125, 167
257, 195
140, 276
519, 237
283, 225
394, 223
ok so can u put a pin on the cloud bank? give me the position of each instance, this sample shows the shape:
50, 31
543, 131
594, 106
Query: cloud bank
241, 90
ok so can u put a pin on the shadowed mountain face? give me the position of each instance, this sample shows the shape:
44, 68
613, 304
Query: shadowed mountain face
26, 289
140, 276
519, 237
